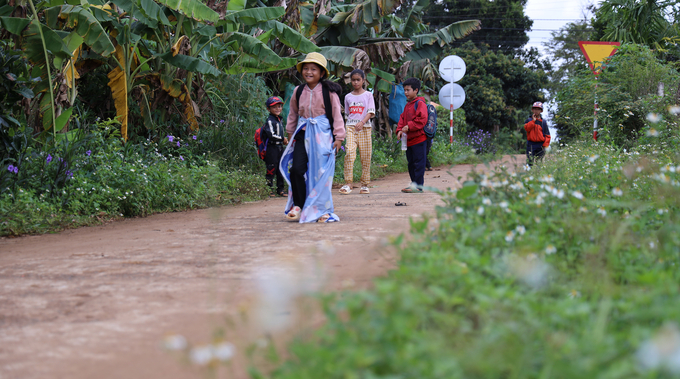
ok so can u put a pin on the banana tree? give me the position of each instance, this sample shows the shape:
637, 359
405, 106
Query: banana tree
369, 34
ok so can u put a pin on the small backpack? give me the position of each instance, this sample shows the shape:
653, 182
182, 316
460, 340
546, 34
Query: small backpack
260, 144
430, 128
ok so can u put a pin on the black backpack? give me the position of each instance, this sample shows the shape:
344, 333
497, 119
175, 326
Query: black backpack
430, 128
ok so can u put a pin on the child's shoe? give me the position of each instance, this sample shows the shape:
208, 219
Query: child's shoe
345, 190
412, 189
293, 214
364, 190
324, 218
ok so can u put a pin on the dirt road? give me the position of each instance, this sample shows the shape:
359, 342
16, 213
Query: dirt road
97, 302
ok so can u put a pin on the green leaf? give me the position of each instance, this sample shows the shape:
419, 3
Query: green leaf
236, 5
153, 12
290, 37
25, 92
252, 46
72, 42
192, 8
346, 56
189, 63
252, 16
469, 189
385, 75
253, 65
14, 25
33, 45
85, 24
63, 119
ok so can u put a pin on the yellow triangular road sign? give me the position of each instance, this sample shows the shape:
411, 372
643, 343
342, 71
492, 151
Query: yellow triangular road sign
596, 52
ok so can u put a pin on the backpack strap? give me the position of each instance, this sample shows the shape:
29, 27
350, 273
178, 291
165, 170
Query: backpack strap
326, 103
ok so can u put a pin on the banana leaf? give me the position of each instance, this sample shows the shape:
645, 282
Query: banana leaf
119, 91
253, 65
289, 37
250, 45
192, 8
84, 23
346, 56
251, 16
236, 5
186, 62
14, 25
448, 34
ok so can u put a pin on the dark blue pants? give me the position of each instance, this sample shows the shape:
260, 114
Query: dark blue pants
416, 156
535, 151
427, 152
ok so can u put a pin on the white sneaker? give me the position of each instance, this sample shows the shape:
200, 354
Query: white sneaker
345, 190
364, 190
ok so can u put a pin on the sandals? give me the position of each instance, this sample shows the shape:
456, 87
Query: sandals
364, 190
293, 214
345, 190
412, 190
324, 218
282, 194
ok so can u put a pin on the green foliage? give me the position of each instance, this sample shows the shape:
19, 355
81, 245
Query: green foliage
628, 98
505, 24
568, 270
563, 48
14, 78
496, 86
648, 22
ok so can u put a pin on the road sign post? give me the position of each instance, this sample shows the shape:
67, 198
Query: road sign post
452, 69
596, 52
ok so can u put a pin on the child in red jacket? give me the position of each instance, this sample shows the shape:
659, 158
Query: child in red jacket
412, 121
538, 134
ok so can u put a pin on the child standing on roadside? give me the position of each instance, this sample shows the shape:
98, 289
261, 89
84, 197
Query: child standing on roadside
316, 130
273, 133
359, 108
412, 121
538, 134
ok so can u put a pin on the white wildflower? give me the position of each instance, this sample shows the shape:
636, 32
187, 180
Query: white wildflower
652, 133
577, 194
224, 351
521, 229
674, 110
486, 201
480, 211
175, 342
503, 204
459, 210
602, 211
550, 249
617, 192
662, 351
201, 355
592, 158
510, 236
653, 117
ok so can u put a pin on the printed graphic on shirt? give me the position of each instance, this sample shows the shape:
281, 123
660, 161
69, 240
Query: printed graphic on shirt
356, 108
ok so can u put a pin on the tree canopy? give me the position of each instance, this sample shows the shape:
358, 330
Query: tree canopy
504, 24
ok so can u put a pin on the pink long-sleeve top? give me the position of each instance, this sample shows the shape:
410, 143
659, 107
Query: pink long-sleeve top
311, 105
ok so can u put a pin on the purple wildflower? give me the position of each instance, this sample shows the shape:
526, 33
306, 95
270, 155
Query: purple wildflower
10, 168
88, 152
178, 144
343, 148
49, 158
69, 174
170, 138
194, 137
16, 169
221, 121
181, 158
201, 141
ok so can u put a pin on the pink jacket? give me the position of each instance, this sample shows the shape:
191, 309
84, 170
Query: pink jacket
317, 109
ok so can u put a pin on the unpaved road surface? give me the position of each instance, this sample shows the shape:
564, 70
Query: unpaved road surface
97, 302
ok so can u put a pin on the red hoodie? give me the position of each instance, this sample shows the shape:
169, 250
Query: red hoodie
415, 119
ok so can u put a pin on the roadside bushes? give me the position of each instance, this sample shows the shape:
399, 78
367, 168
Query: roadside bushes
631, 102
567, 270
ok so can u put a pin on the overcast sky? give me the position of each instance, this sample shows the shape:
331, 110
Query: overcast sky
551, 15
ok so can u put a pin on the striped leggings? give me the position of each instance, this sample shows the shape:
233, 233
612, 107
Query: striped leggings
363, 141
